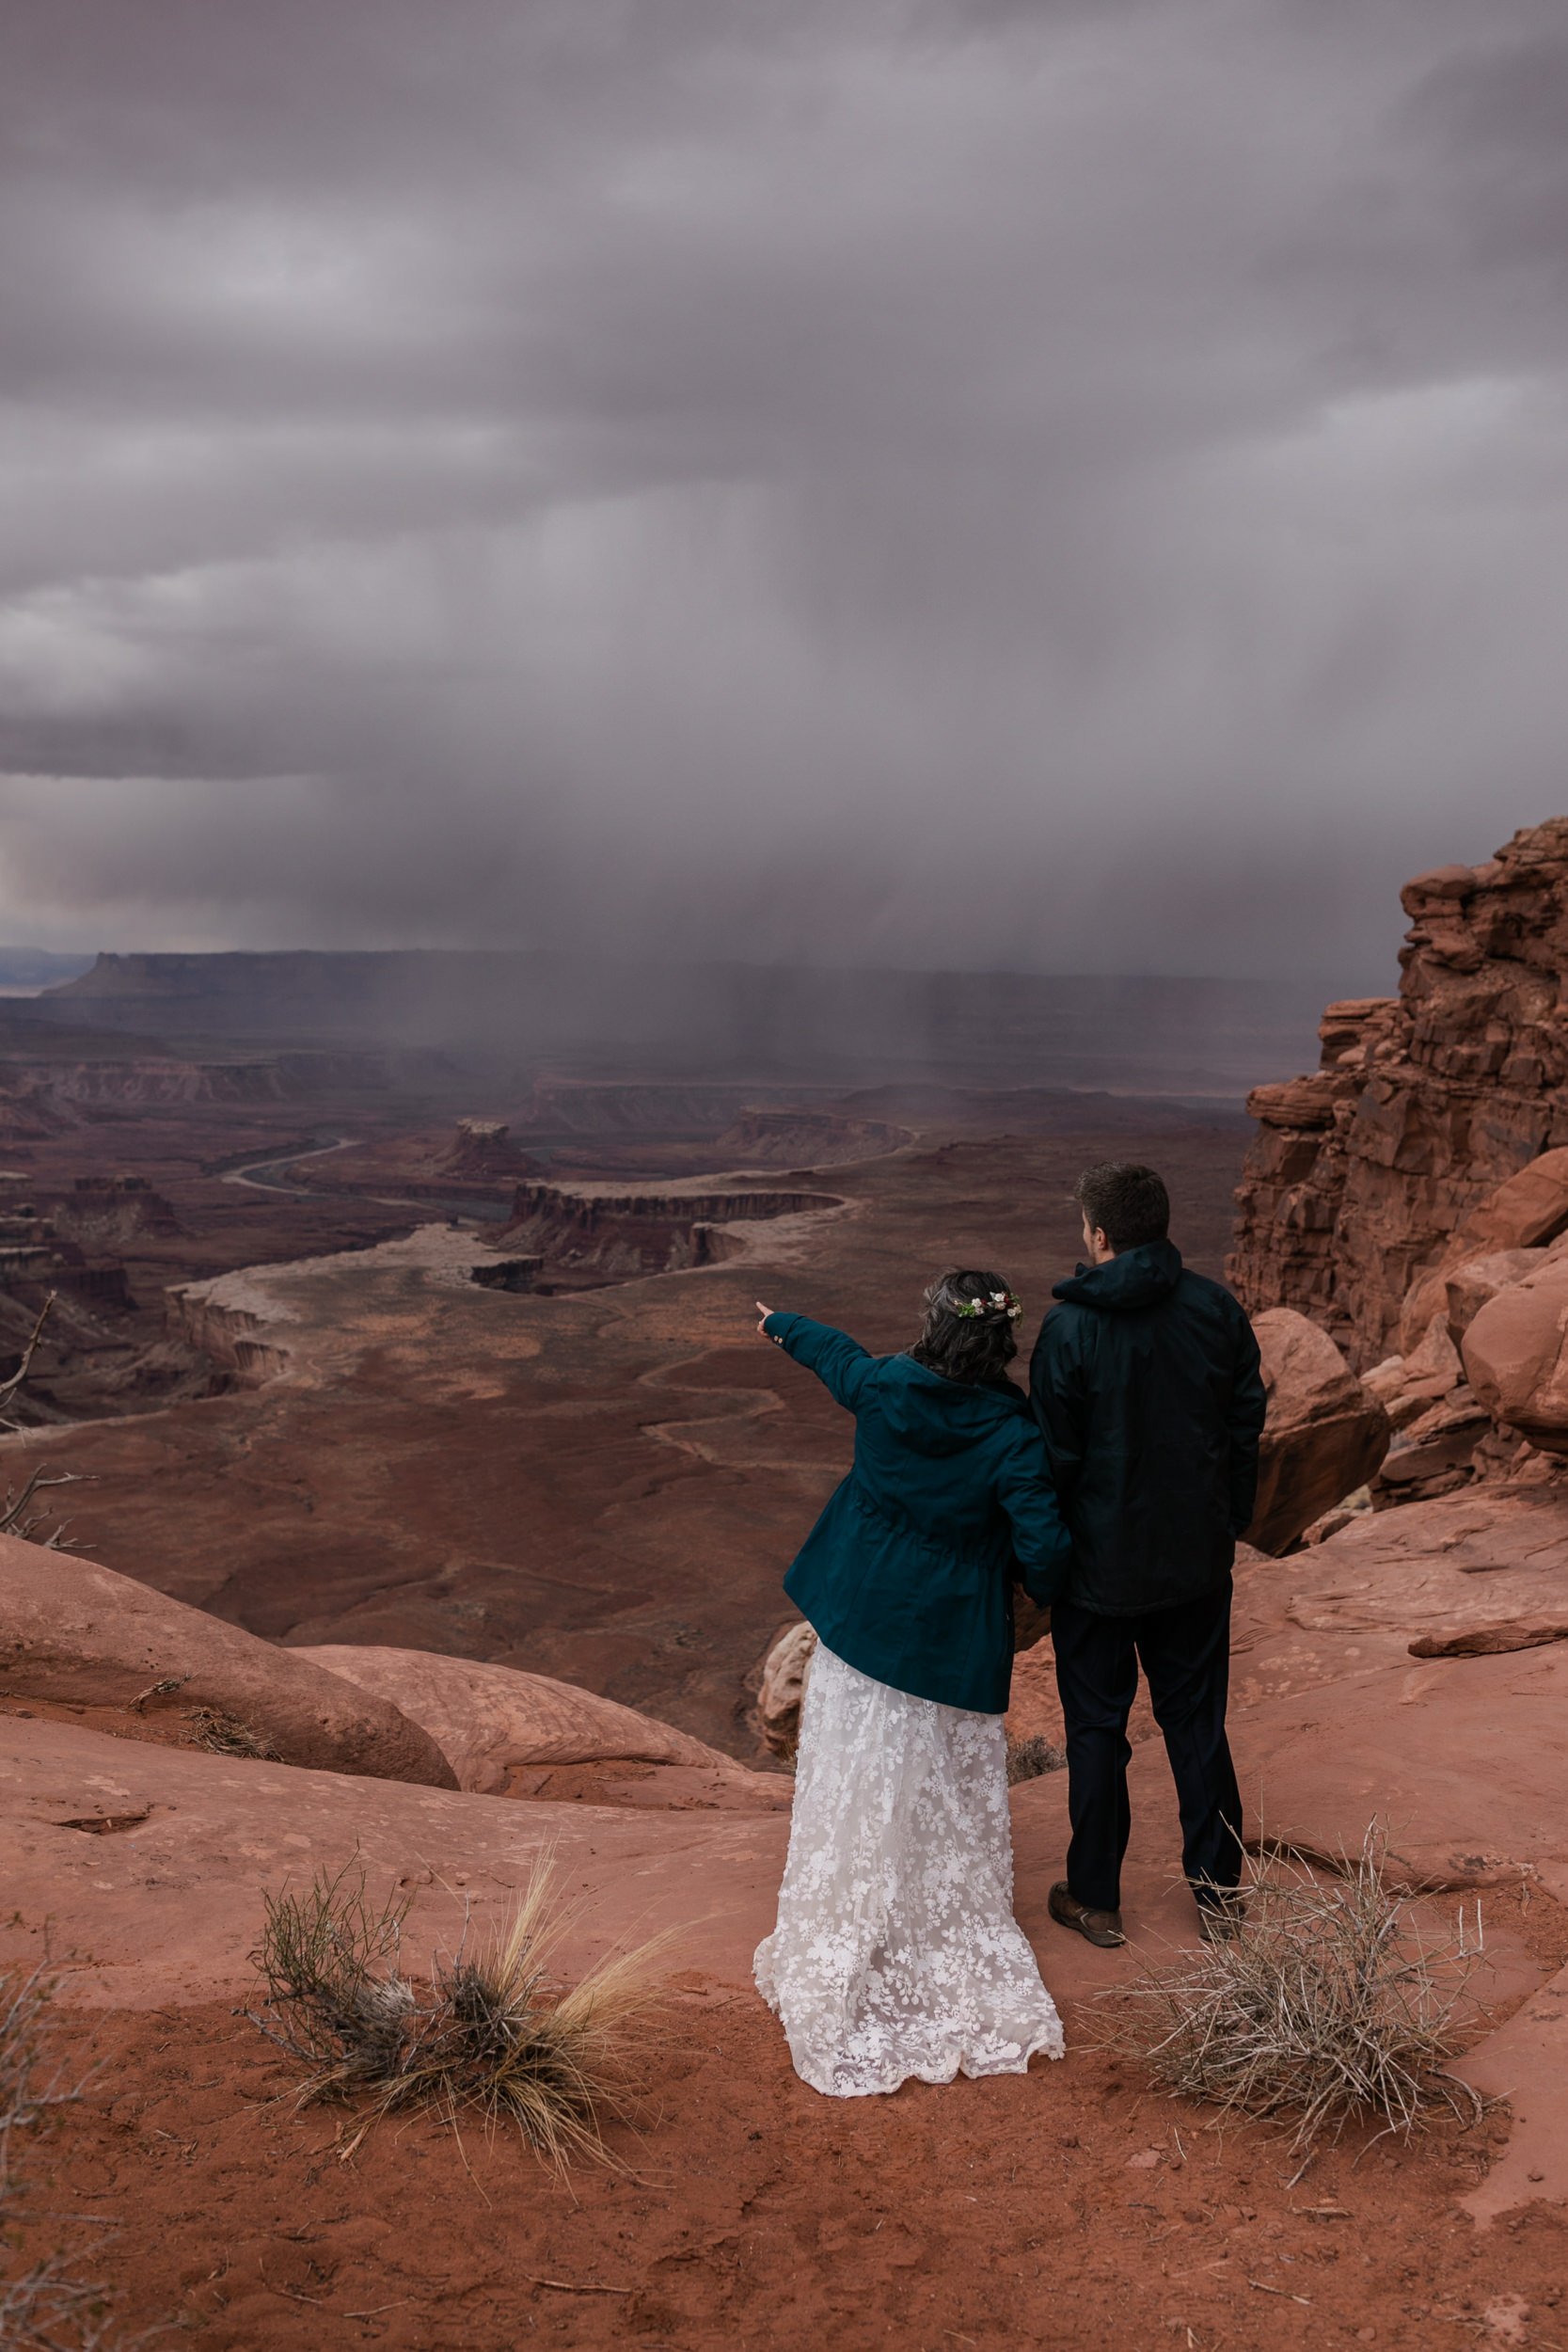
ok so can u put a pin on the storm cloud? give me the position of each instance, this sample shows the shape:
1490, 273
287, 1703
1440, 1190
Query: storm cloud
1081, 486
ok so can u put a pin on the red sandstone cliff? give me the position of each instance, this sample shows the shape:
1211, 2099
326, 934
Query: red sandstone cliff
1363, 1172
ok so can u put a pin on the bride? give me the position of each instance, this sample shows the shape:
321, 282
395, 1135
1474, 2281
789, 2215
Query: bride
897, 1952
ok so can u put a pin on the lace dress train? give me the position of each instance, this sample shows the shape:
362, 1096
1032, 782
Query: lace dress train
896, 1953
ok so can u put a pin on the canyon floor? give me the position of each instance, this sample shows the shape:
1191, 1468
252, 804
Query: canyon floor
606, 1484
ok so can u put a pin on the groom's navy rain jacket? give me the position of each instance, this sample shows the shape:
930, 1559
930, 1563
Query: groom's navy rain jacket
1146, 1382
906, 1575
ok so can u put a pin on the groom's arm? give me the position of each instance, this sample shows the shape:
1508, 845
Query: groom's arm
1245, 1425
839, 1362
1057, 1393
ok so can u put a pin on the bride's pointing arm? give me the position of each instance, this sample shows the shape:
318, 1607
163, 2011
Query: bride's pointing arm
839, 1362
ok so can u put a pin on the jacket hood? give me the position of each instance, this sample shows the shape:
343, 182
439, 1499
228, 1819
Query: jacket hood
1133, 1279
943, 1416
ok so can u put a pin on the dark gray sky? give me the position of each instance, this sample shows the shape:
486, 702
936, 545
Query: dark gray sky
1072, 483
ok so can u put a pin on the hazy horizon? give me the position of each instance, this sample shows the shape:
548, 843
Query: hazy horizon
1061, 485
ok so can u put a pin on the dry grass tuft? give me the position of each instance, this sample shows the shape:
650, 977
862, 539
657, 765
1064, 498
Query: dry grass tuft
1028, 1759
224, 1735
1324, 2005
41, 2304
490, 2034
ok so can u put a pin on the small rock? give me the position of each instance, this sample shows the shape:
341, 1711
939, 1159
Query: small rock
783, 1688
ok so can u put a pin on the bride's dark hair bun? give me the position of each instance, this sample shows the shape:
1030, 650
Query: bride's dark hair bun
968, 1333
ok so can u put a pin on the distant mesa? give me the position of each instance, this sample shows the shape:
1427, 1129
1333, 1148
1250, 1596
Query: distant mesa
728, 1026
484, 1148
596, 1234
804, 1138
26, 971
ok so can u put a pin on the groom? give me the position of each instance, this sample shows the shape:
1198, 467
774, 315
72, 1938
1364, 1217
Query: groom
1146, 1383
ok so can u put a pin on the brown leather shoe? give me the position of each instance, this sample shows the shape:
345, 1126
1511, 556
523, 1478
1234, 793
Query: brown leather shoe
1100, 1926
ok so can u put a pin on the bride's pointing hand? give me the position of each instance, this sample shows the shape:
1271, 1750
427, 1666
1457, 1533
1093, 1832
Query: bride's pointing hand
762, 1326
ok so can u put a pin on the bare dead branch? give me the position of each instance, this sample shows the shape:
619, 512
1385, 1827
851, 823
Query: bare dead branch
18, 1380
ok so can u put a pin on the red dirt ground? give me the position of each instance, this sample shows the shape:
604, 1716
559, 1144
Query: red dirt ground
1067, 2208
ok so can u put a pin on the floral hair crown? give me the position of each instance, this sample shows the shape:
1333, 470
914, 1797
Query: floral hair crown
998, 1303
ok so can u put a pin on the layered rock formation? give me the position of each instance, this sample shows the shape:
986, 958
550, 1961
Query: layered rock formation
598, 1232
1366, 1171
233, 1321
801, 1138
485, 1148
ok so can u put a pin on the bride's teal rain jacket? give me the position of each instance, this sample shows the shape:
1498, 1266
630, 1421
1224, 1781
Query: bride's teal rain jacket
906, 1575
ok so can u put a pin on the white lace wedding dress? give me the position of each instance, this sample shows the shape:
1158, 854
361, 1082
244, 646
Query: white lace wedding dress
897, 1952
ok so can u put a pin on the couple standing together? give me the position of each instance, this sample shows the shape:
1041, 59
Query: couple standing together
1114, 1494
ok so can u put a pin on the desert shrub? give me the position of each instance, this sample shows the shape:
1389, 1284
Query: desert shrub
1324, 2004
489, 2033
41, 2304
1028, 1759
224, 1735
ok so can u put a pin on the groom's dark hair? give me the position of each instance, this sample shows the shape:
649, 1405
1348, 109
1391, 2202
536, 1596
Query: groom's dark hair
1127, 1203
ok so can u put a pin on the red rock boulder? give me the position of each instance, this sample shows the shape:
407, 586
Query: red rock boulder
1516, 1355
1325, 1434
1469, 1286
73, 1632
498, 1725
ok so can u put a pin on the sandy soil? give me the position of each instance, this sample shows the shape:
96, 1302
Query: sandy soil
1068, 2207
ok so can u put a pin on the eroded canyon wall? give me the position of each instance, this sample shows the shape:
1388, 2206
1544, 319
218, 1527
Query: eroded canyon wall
1422, 1103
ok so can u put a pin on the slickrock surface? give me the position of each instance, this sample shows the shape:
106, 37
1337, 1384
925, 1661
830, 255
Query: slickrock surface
1334, 1720
72, 1633
1363, 1172
506, 1733
149, 1863
1461, 1572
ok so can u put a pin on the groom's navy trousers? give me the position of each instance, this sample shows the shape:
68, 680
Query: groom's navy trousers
1185, 1654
